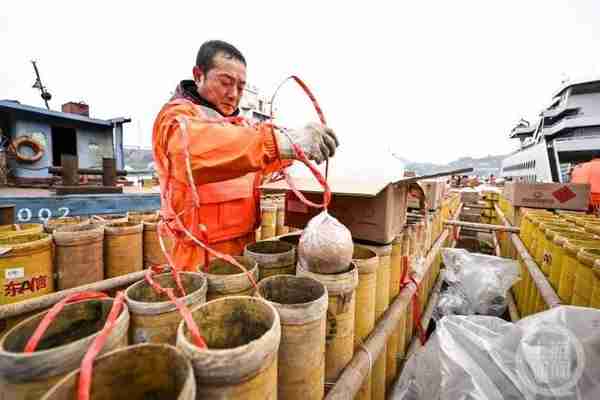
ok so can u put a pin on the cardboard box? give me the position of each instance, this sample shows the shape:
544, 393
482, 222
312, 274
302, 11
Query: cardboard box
372, 211
434, 192
562, 196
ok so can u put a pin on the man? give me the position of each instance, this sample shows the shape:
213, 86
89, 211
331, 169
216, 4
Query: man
210, 165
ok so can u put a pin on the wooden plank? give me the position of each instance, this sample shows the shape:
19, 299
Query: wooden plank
546, 290
66, 190
488, 227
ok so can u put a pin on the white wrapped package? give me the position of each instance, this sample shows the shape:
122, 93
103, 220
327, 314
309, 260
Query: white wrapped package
550, 355
485, 280
325, 246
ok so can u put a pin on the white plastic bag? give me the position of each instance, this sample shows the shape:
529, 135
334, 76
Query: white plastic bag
325, 246
485, 280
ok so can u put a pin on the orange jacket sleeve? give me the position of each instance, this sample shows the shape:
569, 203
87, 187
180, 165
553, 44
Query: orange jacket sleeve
217, 151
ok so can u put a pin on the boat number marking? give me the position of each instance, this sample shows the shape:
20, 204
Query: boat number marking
43, 214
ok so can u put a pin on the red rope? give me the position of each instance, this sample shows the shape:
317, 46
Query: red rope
181, 307
51, 315
87, 364
415, 299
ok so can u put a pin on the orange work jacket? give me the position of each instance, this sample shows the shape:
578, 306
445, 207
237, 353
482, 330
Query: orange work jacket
226, 163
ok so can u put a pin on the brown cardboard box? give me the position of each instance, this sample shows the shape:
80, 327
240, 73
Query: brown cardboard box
434, 192
372, 211
563, 196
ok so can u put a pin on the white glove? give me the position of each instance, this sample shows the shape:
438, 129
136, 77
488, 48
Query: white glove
316, 140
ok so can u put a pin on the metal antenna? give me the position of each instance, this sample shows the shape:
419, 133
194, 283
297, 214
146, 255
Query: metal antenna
38, 85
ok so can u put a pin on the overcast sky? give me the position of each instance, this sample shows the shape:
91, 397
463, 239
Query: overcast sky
432, 80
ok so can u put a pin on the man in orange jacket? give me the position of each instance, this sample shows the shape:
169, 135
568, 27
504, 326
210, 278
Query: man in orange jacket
210, 163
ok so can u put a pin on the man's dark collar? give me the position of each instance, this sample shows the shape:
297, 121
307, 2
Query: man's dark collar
187, 89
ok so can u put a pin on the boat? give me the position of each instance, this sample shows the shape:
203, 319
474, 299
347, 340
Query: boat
566, 134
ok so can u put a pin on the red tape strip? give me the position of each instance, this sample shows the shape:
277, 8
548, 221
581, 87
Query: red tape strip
51, 315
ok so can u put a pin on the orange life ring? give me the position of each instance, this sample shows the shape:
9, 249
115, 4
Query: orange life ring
33, 144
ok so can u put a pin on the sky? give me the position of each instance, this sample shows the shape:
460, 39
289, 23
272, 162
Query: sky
426, 80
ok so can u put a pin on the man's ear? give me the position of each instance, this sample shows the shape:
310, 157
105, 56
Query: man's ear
198, 75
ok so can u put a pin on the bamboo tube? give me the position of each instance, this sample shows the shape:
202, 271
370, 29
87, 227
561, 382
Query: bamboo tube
547, 292
489, 227
351, 378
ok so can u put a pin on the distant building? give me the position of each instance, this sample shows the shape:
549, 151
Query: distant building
59, 133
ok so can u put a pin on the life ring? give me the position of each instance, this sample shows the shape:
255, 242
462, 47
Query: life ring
33, 144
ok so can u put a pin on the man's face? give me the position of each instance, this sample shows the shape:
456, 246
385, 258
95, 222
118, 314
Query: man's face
224, 84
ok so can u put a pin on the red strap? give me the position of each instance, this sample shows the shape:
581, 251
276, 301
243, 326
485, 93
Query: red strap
405, 267
300, 154
87, 364
415, 302
455, 233
181, 307
51, 315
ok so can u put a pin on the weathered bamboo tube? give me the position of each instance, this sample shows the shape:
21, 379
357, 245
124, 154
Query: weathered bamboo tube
547, 292
353, 375
123, 251
391, 366
154, 317
54, 223
78, 254
46, 301
378, 377
339, 339
156, 371
26, 267
280, 227
475, 225
367, 262
268, 222
273, 257
225, 279
302, 306
29, 376
585, 278
243, 335
153, 254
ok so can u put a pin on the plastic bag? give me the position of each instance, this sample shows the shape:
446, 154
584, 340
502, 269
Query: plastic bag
453, 301
325, 245
550, 355
485, 280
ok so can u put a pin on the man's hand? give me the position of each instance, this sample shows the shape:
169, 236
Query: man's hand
316, 140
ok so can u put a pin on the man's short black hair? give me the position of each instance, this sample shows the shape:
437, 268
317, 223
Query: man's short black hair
208, 51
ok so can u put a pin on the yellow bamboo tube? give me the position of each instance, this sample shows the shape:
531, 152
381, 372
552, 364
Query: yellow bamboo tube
243, 335
367, 263
123, 248
153, 254
225, 279
595, 300
542, 244
273, 257
529, 224
60, 351
268, 221
339, 339
378, 377
585, 278
150, 371
154, 318
391, 368
557, 252
550, 233
26, 269
569, 267
8, 231
54, 223
302, 306
280, 227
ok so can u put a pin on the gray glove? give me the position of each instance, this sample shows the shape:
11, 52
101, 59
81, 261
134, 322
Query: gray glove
316, 140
